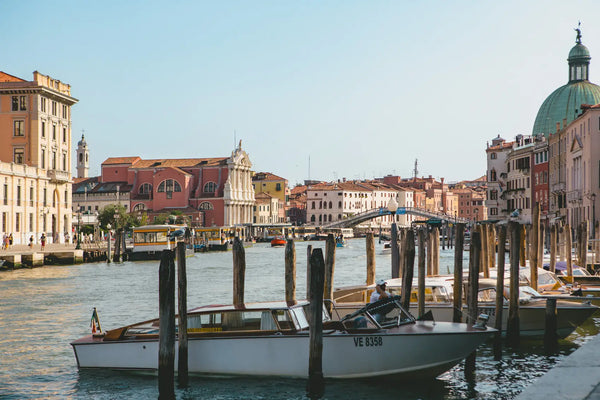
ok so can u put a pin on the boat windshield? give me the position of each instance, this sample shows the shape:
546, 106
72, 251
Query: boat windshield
526, 293
385, 313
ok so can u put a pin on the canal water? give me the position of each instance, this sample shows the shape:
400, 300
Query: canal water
43, 309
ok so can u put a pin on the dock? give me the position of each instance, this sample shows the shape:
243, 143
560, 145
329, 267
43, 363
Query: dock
19, 256
577, 377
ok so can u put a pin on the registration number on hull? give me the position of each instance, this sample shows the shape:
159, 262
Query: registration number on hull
368, 341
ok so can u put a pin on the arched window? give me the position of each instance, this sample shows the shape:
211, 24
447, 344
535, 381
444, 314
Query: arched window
169, 185
320, 218
80, 157
210, 187
329, 217
313, 205
320, 204
325, 204
330, 204
145, 188
312, 218
139, 207
205, 206
339, 217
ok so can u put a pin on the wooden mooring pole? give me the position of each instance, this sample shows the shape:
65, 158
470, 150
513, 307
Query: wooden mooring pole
421, 273
182, 334
395, 251
459, 240
316, 383
370, 243
408, 267
290, 271
239, 271
166, 335
108, 259
553, 239
500, 292
583, 244
534, 239
472, 290
568, 251
308, 255
512, 326
329, 271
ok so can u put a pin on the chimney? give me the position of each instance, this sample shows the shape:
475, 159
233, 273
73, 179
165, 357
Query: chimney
557, 127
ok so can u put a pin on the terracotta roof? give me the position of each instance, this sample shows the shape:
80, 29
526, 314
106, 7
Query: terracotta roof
298, 190
4, 77
266, 176
120, 160
180, 162
262, 196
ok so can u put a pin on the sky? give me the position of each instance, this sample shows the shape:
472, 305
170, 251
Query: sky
314, 89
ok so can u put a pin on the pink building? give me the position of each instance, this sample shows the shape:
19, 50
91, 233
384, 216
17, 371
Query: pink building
210, 191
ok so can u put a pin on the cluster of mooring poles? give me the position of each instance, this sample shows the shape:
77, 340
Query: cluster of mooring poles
486, 241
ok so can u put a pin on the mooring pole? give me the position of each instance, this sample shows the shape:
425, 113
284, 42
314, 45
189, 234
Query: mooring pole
409, 267
290, 271
421, 273
166, 335
395, 251
370, 244
512, 326
329, 270
472, 290
182, 334
316, 383
550, 336
308, 255
459, 237
500, 292
239, 271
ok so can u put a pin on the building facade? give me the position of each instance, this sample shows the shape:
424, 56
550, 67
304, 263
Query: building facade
35, 176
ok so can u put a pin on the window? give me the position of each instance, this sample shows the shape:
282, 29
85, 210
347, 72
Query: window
493, 175
19, 128
43, 158
64, 111
5, 196
22, 103
64, 135
493, 156
43, 128
169, 186
18, 222
145, 188
210, 187
205, 206
278, 186
19, 155
53, 160
43, 104
30, 222
53, 131
139, 207
64, 162
18, 195
31, 196
15, 103
54, 108
80, 157
493, 195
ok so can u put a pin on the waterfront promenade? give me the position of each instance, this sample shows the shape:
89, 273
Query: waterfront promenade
21, 255
577, 377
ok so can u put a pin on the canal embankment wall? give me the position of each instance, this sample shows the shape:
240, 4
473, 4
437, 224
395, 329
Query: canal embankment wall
577, 377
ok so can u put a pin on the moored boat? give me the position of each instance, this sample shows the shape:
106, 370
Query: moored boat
272, 339
439, 300
278, 241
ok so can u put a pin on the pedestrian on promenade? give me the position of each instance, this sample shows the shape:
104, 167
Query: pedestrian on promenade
5, 242
31, 242
67, 238
43, 241
10, 240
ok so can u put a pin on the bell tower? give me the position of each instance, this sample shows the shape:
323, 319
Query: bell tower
83, 160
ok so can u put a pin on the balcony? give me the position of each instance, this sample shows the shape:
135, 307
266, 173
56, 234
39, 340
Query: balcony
58, 176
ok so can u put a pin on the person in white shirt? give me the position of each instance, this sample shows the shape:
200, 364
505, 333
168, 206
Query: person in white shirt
379, 294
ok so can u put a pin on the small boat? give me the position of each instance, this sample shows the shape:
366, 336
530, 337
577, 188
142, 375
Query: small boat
387, 248
272, 339
340, 242
439, 300
278, 241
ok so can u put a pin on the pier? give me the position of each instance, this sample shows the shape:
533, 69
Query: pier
577, 377
20, 255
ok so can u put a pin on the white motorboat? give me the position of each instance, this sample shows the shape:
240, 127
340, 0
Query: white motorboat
439, 300
272, 339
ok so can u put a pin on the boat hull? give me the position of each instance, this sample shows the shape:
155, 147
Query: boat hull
425, 349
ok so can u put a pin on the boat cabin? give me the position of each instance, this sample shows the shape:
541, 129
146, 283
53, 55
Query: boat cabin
154, 238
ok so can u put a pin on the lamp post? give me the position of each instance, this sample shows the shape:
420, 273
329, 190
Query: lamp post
108, 259
78, 247
393, 208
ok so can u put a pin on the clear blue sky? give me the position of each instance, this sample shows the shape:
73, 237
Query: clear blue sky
363, 88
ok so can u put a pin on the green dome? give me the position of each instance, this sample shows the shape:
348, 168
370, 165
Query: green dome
565, 102
579, 51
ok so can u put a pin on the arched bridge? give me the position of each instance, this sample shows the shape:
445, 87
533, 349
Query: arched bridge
378, 212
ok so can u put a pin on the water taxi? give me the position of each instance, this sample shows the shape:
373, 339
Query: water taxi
439, 300
272, 339
278, 241
150, 240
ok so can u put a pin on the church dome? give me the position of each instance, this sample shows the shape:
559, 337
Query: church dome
565, 102
82, 142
